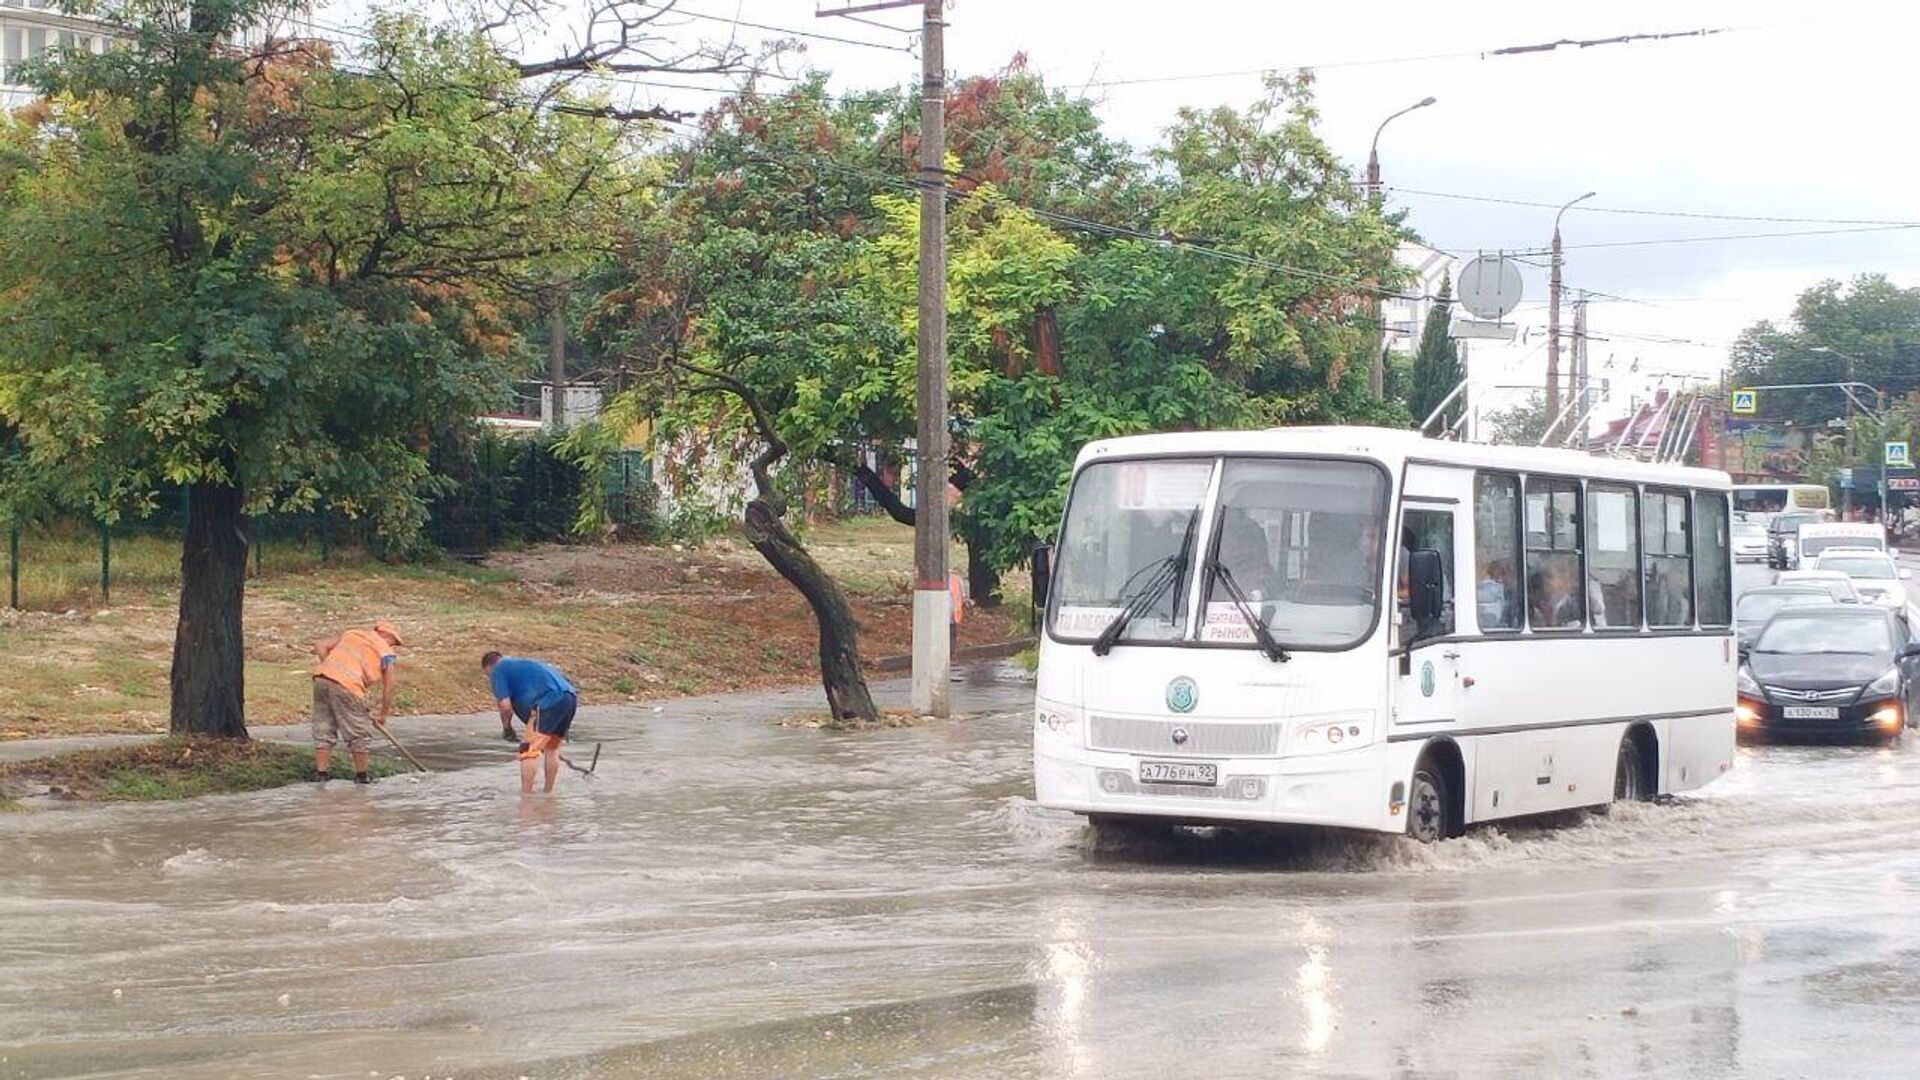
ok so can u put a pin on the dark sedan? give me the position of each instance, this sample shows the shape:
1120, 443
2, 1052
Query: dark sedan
1756, 606
1838, 671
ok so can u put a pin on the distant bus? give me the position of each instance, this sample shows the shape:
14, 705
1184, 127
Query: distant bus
1769, 499
1362, 629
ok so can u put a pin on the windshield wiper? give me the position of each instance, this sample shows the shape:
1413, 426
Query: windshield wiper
1167, 572
1240, 602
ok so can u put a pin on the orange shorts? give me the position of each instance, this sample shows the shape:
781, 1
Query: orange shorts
539, 742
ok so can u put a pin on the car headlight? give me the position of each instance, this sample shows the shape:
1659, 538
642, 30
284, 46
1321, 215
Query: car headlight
1885, 684
1746, 684
1061, 723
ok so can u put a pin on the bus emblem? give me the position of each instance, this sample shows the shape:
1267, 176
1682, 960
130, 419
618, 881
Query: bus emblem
1179, 736
1182, 694
1426, 679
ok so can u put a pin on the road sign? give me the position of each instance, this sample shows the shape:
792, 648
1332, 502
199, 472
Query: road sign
1746, 402
1490, 286
1897, 453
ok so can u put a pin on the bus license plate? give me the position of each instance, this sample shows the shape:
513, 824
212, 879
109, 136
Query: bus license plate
1813, 712
1179, 772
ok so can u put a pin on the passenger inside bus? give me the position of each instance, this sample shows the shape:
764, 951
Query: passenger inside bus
1497, 595
1553, 602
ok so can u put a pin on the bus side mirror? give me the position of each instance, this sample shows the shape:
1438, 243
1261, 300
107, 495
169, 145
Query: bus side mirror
1042, 573
1427, 583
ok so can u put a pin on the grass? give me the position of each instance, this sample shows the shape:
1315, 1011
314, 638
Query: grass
175, 768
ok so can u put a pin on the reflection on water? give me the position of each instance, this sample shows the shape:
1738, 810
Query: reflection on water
731, 899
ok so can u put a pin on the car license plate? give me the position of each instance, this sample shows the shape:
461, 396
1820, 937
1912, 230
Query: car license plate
1202, 774
1813, 712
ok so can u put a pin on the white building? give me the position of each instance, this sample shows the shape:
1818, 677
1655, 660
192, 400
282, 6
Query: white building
28, 28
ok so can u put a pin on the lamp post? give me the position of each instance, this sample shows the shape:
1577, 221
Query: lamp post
1377, 374
1553, 313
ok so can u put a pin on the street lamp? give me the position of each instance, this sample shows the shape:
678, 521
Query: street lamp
1553, 312
1373, 152
1377, 376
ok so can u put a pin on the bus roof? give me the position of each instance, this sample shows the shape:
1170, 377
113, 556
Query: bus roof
1393, 447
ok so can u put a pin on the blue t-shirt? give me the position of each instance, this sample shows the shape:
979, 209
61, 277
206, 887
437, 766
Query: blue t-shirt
530, 683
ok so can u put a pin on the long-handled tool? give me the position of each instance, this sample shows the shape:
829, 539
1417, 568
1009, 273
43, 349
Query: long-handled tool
591, 765
404, 752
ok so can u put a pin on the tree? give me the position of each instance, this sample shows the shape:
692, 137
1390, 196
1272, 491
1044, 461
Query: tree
1866, 331
1519, 425
1436, 364
275, 277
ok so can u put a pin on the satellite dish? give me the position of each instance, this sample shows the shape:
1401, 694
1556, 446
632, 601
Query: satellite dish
1490, 286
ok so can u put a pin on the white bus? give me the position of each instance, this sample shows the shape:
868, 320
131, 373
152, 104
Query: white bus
1762, 501
1227, 640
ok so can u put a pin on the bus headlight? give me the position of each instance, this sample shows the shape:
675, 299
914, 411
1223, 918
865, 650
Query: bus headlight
1060, 723
1324, 736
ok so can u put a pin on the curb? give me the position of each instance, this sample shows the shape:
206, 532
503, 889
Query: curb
998, 650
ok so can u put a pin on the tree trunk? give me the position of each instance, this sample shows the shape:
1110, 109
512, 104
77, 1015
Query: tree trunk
209, 655
983, 581
840, 671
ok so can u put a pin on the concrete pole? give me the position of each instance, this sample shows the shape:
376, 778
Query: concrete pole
1553, 317
932, 603
1580, 371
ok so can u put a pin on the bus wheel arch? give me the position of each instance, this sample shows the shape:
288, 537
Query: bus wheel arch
1636, 771
1437, 796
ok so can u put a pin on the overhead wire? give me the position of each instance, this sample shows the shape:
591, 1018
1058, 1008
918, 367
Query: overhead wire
1641, 212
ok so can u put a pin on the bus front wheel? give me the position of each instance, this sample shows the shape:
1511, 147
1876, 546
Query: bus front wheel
1430, 805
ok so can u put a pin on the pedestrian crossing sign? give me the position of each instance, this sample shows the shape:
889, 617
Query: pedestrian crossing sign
1898, 454
1746, 402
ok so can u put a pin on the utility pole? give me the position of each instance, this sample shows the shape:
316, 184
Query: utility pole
1553, 317
1377, 372
932, 602
1580, 371
557, 361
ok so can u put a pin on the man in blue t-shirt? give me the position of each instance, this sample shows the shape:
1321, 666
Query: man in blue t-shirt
537, 693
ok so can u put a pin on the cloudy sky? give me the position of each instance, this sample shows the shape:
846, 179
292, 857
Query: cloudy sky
1798, 110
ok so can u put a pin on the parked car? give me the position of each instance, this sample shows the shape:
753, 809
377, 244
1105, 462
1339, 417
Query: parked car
1749, 541
1756, 606
1879, 580
1783, 551
1827, 672
1837, 584
1816, 537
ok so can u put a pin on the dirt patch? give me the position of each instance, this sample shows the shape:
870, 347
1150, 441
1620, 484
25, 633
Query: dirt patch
625, 622
165, 769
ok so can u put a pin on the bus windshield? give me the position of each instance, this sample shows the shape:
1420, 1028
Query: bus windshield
1302, 539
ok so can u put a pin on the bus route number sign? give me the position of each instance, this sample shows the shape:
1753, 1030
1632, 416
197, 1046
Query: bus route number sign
1746, 402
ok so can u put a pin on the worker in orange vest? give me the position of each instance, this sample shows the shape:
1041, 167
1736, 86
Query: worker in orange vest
350, 662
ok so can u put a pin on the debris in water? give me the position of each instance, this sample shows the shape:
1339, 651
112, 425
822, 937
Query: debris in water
1631, 1010
286, 1000
117, 993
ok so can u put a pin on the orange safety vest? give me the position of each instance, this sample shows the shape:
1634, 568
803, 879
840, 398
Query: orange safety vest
355, 662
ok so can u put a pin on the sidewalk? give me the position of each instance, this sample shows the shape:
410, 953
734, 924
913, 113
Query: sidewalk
457, 742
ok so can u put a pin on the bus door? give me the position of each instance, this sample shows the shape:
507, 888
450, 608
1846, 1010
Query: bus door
1428, 688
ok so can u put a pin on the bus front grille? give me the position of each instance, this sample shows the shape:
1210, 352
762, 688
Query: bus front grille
1184, 737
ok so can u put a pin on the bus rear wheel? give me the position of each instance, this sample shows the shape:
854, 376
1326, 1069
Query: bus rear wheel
1430, 805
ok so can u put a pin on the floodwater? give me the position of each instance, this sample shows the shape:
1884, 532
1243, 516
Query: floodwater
729, 898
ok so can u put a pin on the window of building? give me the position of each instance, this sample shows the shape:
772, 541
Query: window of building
1496, 552
1555, 600
1711, 558
1669, 588
1613, 557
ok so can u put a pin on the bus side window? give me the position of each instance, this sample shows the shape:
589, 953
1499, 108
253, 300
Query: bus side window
1555, 598
1711, 560
1496, 550
1664, 517
1427, 530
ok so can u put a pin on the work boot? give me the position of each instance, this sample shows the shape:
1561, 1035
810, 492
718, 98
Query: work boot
321, 776
362, 778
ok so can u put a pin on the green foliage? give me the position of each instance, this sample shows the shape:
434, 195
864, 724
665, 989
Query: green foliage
1519, 425
275, 274
1436, 365
1864, 331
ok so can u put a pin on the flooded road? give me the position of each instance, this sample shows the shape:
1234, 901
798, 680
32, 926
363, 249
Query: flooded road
728, 898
